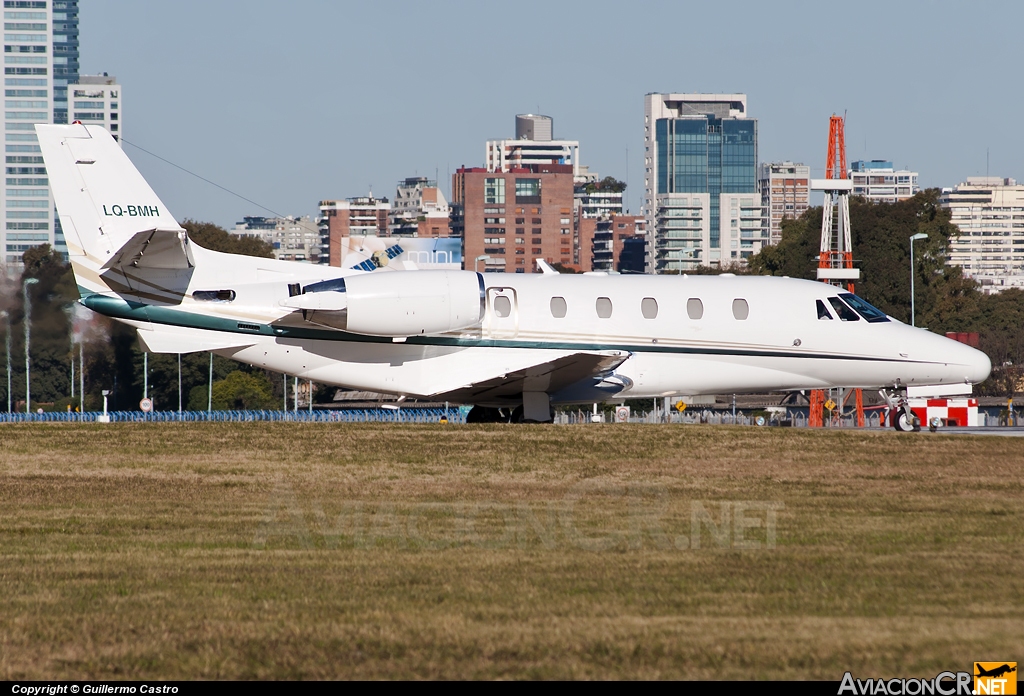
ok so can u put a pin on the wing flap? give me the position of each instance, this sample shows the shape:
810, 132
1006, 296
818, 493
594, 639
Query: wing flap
167, 339
549, 376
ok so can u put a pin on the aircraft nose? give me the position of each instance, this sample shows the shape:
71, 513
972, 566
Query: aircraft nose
961, 362
978, 367
974, 365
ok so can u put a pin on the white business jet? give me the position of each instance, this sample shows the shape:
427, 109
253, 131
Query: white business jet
506, 343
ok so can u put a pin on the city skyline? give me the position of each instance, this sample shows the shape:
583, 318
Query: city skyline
277, 109
41, 50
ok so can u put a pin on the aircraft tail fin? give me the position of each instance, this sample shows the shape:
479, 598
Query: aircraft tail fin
109, 214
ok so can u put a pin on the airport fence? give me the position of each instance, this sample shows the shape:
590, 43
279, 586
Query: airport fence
794, 418
369, 415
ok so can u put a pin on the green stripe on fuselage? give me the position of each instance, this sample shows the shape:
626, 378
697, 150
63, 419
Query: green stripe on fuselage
120, 309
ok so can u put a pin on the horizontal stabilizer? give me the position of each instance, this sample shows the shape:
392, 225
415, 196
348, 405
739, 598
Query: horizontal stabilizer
157, 248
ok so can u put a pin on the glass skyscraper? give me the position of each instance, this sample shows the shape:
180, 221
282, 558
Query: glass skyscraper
65, 55
40, 59
703, 146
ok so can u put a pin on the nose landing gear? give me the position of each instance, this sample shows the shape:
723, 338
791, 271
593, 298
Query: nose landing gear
899, 413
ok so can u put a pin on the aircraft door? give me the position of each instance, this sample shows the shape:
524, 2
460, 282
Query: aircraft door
502, 312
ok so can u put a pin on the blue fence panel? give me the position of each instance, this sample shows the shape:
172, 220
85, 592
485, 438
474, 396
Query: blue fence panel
376, 415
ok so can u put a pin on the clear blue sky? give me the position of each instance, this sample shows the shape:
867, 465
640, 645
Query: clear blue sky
288, 103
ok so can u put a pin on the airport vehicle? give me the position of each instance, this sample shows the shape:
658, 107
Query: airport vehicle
511, 344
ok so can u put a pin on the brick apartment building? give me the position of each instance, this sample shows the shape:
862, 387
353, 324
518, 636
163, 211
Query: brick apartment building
364, 215
515, 217
611, 243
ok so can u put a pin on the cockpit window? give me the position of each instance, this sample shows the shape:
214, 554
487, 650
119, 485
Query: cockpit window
872, 314
844, 312
823, 311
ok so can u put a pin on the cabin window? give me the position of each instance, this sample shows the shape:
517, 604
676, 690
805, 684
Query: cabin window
604, 307
872, 314
649, 307
844, 312
740, 310
558, 307
694, 308
823, 311
213, 295
502, 306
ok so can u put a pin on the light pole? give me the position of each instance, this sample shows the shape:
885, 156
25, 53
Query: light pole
69, 311
81, 376
7, 340
914, 238
28, 339
209, 391
477, 260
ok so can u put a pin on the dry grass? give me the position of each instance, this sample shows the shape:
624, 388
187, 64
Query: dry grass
330, 551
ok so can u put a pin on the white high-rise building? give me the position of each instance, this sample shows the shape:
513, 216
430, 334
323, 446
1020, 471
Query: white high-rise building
40, 60
96, 100
990, 214
701, 200
533, 144
879, 181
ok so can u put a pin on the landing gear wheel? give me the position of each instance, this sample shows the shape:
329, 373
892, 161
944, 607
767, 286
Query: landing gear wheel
518, 416
905, 421
484, 414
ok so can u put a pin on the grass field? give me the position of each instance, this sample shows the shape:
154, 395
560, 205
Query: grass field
328, 551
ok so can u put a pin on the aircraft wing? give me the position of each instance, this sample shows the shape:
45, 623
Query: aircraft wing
170, 339
551, 376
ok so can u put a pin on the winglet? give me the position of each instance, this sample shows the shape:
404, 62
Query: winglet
545, 267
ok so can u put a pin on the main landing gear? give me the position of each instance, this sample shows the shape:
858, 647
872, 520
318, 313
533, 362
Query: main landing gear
484, 414
900, 414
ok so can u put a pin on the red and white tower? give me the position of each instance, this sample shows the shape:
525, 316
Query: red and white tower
835, 260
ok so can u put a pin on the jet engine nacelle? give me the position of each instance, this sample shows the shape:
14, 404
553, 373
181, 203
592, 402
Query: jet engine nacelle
402, 303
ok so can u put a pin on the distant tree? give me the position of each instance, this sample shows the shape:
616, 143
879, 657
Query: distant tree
51, 296
733, 268
242, 390
563, 268
42, 262
215, 237
609, 184
795, 254
323, 393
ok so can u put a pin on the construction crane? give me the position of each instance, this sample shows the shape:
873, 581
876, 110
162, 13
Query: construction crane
835, 259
